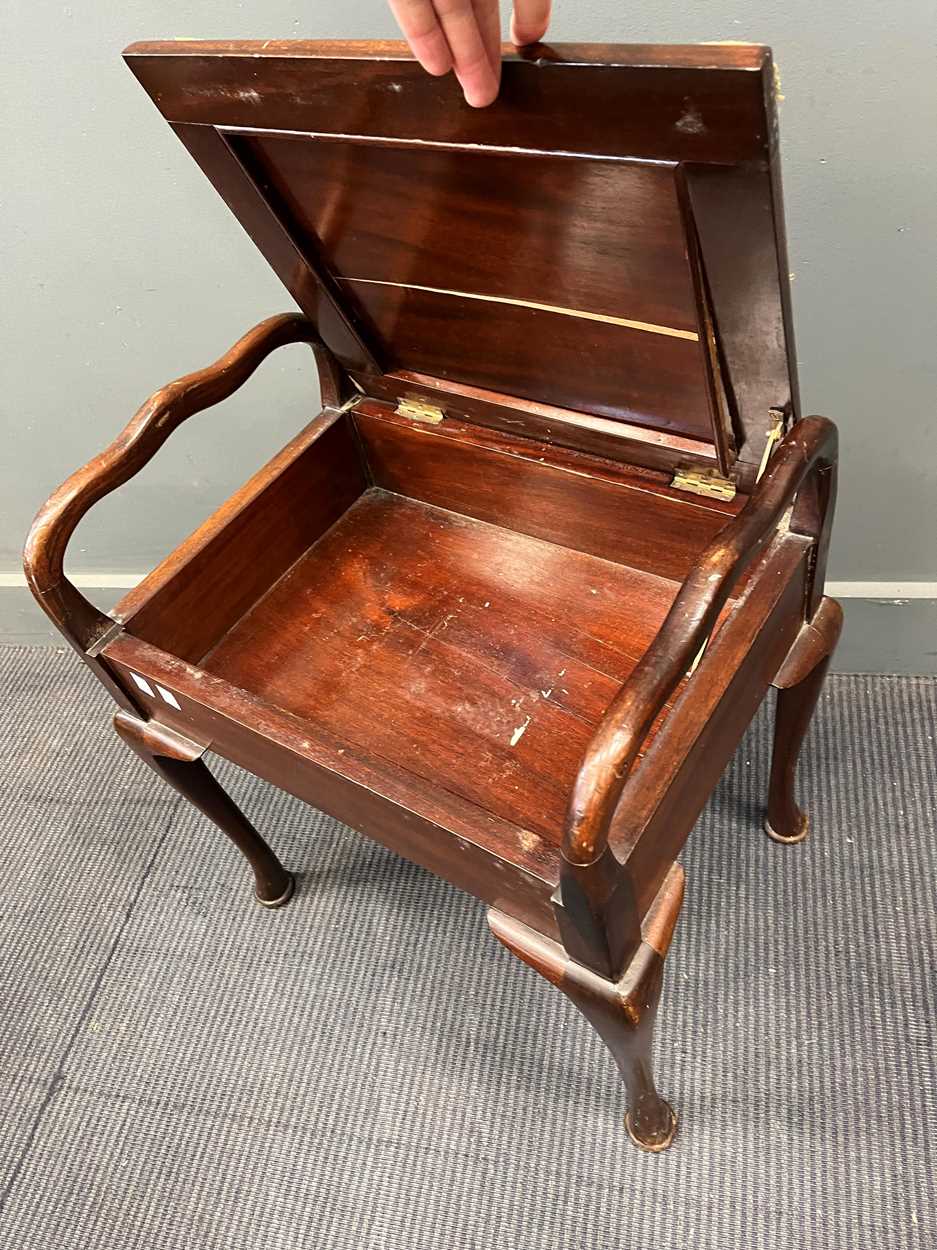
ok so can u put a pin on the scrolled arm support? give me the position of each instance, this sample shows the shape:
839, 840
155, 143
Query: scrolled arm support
809, 448
164, 412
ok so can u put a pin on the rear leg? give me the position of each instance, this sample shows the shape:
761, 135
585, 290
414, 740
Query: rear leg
799, 684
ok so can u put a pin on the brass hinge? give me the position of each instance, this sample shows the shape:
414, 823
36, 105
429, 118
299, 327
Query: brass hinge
704, 482
419, 410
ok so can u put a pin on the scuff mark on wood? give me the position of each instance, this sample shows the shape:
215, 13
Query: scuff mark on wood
527, 840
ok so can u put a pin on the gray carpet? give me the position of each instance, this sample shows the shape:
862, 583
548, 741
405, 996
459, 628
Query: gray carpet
179, 1069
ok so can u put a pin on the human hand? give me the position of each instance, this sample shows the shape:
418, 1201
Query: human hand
465, 36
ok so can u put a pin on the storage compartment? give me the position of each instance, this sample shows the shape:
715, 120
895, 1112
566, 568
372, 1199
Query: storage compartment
461, 604
477, 658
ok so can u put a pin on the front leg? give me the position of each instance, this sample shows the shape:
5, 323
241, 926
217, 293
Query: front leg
179, 762
622, 1012
799, 684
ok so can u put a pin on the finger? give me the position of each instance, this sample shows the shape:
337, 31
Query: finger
529, 21
470, 58
422, 31
488, 16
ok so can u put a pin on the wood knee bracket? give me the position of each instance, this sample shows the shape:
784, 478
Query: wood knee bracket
156, 739
817, 640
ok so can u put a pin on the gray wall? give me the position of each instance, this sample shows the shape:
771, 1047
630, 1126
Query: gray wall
122, 269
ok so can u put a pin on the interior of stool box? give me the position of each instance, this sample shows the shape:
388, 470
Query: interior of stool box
459, 603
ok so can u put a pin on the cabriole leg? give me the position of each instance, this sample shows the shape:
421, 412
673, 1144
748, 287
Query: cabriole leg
622, 1012
786, 821
800, 682
179, 762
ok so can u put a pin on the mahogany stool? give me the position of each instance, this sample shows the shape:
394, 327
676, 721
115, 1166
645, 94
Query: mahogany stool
509, 602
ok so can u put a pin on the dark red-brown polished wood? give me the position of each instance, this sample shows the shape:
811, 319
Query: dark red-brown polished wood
478, 608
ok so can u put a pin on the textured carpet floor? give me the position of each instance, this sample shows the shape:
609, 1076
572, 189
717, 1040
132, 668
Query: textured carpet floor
179, 1069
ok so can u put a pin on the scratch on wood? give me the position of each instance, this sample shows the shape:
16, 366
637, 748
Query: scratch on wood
519, 732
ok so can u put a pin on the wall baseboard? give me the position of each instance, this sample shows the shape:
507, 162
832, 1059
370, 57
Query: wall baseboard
891, 627
890, 591
840, 590
84, 581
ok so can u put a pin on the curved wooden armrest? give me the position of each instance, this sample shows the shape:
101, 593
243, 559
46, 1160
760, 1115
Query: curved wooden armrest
164, 412
810, 445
